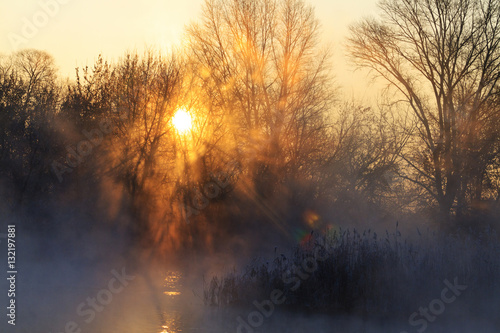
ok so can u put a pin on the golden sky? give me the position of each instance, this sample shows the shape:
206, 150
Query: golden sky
75, 32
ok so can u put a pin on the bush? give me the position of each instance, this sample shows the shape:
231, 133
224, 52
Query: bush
362, 273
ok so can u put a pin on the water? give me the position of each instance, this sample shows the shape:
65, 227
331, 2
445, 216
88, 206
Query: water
182, 311
159, 300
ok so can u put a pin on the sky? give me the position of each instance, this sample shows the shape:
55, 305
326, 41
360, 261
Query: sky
75, 32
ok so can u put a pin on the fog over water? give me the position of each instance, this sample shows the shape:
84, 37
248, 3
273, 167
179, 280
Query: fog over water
232, 183
59, 281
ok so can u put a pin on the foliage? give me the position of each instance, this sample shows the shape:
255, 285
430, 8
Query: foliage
365, 274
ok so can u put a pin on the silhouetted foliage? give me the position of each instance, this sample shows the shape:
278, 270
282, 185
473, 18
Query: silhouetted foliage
29, 98
271, 138
442, 57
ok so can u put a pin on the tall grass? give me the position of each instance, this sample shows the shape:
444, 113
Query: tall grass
364, 273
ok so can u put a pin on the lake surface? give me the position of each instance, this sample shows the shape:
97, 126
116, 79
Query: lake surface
181, 310
56, 297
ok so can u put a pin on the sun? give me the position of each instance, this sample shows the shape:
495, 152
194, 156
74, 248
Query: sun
182, 121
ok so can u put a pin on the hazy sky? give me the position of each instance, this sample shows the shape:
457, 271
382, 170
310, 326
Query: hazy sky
75, 32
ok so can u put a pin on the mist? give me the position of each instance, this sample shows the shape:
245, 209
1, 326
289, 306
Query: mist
228, 184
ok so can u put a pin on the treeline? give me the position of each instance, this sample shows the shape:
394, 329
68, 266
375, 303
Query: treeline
271, 137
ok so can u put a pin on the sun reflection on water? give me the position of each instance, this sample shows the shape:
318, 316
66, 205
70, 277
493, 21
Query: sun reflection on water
172, 313
165, 329
172, 283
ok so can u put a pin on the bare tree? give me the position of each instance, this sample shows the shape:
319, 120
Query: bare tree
89, 98
259, 62
29, 98
443, 58
146, 93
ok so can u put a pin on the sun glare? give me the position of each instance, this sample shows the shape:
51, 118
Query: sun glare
182, 121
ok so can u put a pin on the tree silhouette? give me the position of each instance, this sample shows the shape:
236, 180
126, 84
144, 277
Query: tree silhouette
260, 63
443, 58
29, 97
